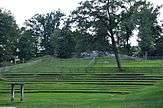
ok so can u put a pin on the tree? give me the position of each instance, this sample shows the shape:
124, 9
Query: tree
128, 25
8, 36
159, 46
27, 45
63, 43
44, 26
83, 42
99, 40
106, 12
147, 24
158, 41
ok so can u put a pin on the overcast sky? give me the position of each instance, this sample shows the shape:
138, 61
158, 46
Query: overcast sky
24, 9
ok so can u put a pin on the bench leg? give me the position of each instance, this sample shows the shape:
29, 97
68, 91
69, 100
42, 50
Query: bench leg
12, 92
21, 92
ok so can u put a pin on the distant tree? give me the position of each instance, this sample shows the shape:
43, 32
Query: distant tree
99, 40
84, 42
147, 28
63, 43
128, 25
8, 36
44, 26
158, 40
27, 45
159, 46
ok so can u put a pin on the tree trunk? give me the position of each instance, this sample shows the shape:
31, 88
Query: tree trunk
111, 26
146, 55
128, 47
116, 53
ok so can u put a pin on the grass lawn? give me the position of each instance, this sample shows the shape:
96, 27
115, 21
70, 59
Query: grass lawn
99, 65
149, 97
49, 65
90, 80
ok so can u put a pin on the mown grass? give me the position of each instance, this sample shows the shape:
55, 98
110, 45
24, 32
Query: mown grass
141, 96
107, 65
50, 64
99, 65
148, 97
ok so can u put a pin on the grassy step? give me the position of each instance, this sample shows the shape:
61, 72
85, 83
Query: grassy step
140, 81
22, 74
69, 76
107, 83
49, 85
72, 91
111, 78
64, 85
145, 76
79, 75
33, 88
87, 79
60, 89
82, 77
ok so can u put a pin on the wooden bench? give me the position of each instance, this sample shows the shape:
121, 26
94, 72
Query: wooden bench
21, 84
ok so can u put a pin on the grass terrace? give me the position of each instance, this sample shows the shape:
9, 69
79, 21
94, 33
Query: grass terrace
85, 83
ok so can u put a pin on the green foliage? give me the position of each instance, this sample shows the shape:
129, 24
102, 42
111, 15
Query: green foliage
99, 25
43, 26
158, 40
27, 45
159, 46
108, 21
128, 25
83, 42
148, 29
8, 36
63, 43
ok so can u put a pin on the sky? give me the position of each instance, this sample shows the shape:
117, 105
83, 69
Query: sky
25, 9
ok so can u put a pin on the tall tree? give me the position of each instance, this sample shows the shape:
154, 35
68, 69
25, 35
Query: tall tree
128, 24
44, 26
84, 42
27, 45
158, 40
147, 32
107, 12
8, 35
62, 42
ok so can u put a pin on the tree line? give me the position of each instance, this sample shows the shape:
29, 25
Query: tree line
95, 25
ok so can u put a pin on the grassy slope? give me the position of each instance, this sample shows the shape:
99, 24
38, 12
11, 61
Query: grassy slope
130, 66
50, 65
150, 97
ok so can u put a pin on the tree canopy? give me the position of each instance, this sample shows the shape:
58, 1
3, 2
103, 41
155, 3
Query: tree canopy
95, 25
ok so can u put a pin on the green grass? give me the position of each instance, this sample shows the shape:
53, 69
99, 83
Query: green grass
72, 83
149, 97
129, 66
49, 64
